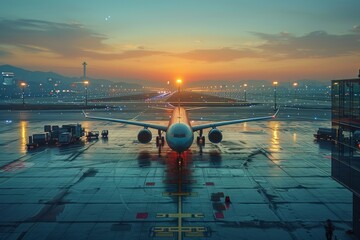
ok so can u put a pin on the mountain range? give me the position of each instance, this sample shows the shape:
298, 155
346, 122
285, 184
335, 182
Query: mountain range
41, 77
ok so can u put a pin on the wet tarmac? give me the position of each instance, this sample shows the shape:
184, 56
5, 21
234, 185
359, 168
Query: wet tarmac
277, 179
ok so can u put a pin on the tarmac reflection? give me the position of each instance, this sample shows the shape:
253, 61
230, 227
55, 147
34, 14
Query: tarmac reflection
23, 136
144, 159
275, 139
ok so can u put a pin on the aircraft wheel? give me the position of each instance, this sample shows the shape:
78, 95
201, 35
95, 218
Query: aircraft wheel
203, 140
197, 140
162, 141
157, 142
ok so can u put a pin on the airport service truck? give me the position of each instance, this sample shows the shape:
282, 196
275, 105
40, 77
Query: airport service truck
70, 133
325, 134
53, 135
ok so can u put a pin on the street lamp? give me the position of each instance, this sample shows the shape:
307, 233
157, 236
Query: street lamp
245, 85
295, 84
23, 85
179, 82
275, 85
86, 83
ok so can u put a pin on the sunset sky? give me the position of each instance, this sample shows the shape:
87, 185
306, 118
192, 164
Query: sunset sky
161, 40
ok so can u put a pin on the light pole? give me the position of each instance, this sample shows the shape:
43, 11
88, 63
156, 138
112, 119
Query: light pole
295, 84
23, 85
179, 82
86, 82
245, 85
275, 84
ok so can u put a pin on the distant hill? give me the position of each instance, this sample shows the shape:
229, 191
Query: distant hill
40, 77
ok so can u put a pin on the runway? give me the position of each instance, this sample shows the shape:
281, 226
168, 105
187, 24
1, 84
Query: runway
276, 176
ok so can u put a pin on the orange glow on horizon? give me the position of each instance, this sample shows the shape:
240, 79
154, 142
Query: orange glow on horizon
162, 68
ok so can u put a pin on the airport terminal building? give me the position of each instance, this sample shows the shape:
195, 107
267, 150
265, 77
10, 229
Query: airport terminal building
345, 166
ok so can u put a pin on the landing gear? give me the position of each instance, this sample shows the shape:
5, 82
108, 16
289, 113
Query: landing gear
200, 140
179, 160
157, 141
160, 140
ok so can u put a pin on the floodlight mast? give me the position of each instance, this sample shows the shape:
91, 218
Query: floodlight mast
179, 82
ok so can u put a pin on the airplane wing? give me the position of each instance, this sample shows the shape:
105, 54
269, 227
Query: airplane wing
194, 108
136, 123
218, 124
161, 108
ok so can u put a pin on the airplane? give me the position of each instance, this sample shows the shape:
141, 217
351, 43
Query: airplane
179, 133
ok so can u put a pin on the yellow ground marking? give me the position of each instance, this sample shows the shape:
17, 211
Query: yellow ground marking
164, 234
188, 231
187, 194
177, 229
176, 215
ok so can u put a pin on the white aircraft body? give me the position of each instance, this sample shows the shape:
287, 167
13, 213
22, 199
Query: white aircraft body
179, 133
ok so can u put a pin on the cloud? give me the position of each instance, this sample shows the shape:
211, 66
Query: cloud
124, 55
217, 55
4, 53
356, 29
74, 40
284, 45
66, 40
62, 39
317, 44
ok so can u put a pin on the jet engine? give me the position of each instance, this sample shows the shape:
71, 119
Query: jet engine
215, 135
144, 136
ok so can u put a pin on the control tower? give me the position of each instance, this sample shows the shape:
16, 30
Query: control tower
84, 65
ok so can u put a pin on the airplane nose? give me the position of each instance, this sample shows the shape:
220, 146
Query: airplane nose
179, 137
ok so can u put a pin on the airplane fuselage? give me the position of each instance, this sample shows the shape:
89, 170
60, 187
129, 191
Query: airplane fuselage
179, 134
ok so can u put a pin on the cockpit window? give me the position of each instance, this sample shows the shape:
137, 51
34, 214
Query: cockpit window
179, 135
